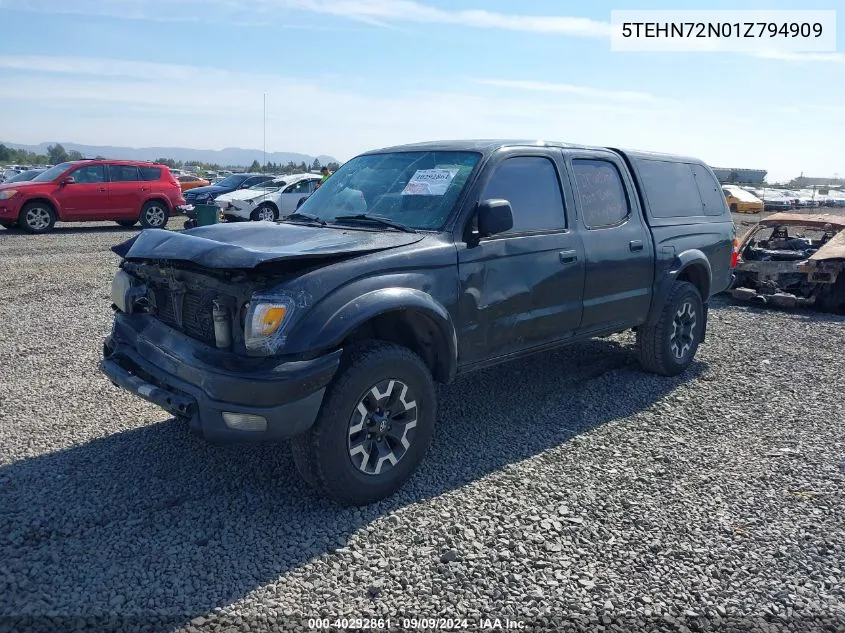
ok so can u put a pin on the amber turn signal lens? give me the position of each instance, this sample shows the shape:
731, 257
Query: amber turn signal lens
270, 319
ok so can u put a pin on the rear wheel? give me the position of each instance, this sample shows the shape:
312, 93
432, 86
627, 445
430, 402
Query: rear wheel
264, 212
9, 225
37, 217
127, 223
374, 427
154, 215
733, 207
668, 347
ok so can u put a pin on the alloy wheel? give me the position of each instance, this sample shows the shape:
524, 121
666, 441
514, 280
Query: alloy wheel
266, 214
382, 428
156, 215
683, 330
37, 218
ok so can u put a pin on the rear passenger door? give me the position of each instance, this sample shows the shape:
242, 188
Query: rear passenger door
619, 251
521, 289
125, 191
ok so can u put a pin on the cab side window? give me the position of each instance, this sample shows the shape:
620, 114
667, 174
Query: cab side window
601, 192
532, 186
89, 174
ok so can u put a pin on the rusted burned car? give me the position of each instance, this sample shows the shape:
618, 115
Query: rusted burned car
793, 259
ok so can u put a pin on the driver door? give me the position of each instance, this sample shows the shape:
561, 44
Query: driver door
87, 198
292, 194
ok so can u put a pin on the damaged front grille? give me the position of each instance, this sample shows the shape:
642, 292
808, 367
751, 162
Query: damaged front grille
189, 311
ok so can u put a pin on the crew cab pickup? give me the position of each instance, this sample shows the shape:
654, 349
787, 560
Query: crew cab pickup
410, 266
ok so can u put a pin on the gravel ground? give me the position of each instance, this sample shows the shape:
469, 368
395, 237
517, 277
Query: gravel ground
570, 486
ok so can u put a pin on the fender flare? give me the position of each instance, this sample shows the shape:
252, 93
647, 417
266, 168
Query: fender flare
375, 303
663, 285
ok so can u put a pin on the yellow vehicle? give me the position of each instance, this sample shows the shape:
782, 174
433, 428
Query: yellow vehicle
741, 201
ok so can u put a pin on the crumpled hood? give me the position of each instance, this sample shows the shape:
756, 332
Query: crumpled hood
248, 244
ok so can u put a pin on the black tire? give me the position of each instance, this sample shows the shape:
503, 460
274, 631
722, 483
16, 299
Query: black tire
127, 224
733, 207
668, 347
263, 212
37, 217
154, 215
330, 457
9, 226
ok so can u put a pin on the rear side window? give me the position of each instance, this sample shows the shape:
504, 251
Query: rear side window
123, 173
150, 173
532, 187
710, 190
670, 188
601, 193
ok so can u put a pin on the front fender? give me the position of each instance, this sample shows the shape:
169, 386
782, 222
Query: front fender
372, 304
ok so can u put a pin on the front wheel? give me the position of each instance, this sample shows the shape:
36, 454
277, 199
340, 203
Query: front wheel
127, 223
374, 427
668, 347
264, 212
37, 217
154, 215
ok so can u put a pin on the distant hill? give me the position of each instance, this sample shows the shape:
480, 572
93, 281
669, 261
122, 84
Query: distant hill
231, 156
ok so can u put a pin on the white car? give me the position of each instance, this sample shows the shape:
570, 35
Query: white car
269, 200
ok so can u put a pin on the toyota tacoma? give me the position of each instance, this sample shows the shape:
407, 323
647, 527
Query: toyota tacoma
410, 266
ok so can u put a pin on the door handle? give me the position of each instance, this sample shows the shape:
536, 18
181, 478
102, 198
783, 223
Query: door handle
567, 257
635, 245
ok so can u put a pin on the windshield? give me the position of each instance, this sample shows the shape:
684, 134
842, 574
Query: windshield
269, 184
231, 181
52, 173
415, 189
24, 176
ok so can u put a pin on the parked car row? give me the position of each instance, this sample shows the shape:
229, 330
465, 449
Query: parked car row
753, 200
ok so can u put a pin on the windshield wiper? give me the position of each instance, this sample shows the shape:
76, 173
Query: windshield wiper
378, 220
305, 216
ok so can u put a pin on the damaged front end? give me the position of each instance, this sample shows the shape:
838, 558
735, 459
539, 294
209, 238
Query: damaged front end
793, 260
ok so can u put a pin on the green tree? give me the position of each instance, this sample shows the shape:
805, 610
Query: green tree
5, 153
255, 166
57, 154
333, 166
316, 166
74, 155
169, 162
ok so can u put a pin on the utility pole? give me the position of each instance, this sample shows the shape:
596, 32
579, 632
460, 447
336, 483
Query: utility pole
265, 131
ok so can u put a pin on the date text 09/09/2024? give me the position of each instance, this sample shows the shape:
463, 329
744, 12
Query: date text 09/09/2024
748, 30
416, 624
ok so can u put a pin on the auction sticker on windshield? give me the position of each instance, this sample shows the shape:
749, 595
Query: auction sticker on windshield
430, 182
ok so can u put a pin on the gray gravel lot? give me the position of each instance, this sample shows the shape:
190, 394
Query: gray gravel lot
569, 486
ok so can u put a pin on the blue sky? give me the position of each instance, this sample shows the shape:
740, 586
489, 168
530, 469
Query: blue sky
344, 76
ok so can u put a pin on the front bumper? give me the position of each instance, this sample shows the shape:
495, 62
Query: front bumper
197, 383
8, 212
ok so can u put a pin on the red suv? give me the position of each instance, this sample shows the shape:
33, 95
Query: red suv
92, 191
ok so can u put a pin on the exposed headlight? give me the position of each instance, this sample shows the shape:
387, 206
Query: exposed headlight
7, 193
266, 321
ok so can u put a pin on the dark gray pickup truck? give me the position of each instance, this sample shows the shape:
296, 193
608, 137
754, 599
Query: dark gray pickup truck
409, 266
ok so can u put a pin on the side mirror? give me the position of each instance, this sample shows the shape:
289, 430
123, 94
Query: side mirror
494, 217
67, 181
